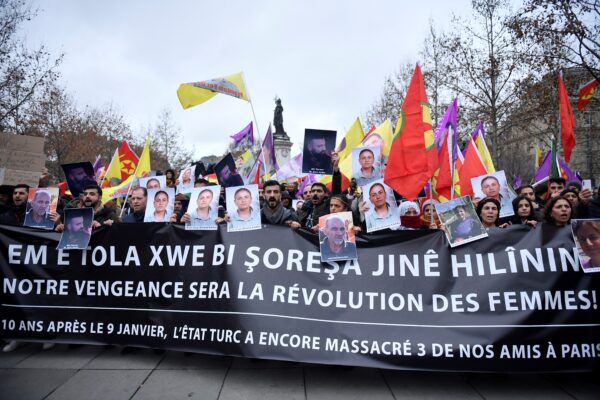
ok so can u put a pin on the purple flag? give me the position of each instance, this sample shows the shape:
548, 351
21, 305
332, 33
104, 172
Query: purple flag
543, 171
268, 150
292, 168
565, 170
309, 180
97, 163
448, 122
244, 137
517, 181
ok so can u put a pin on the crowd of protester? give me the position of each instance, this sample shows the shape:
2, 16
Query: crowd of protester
556, 203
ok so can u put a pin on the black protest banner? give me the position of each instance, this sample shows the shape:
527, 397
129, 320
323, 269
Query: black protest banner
515, 301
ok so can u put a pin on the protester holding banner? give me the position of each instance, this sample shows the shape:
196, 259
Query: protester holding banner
529, 192
410, 215
90, 197
524, 212
273, 212
488, 211
558, 211
15, 215
429, 217
138, 201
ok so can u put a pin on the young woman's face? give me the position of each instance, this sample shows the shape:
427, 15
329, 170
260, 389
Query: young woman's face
336, 205
561, 212
160, 202
523, 209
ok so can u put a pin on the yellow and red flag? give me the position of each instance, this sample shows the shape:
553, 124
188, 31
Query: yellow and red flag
567, 120
586, 93
472, 167
142, 169
413, 156
122, 165
193, 93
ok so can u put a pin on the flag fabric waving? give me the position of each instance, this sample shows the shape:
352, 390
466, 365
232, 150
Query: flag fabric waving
567, 120
586, 93
479, 138
446, 136
268, 152
142, 169
193, 93
352, 139
472, 167
122, 165
413, 156
245, 137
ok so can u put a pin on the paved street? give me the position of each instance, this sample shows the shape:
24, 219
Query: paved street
95, 372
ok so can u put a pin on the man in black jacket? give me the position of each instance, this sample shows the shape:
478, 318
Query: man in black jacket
138, 200
273, 212
15, 214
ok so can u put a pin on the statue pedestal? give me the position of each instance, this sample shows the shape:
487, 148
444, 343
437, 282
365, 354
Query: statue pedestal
283, 148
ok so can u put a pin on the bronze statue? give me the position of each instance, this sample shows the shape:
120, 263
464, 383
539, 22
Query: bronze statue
278, 121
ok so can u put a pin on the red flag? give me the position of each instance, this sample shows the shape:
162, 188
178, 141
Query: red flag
413, 156
128, 159
472, 167
567, 120
586, 93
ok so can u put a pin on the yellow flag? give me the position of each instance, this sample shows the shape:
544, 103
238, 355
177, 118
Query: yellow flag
486, 157
538, 157
142, 169
352, 139
112, 176
193, 93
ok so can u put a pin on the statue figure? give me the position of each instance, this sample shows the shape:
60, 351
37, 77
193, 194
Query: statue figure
278, 121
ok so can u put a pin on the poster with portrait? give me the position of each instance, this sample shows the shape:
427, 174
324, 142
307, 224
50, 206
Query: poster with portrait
366, 165
244, 164
77, 229
381, 207
203, 208
336, 237
586, 233
153, 182
160, 205
79, 175
316, 156
186, 180
243, 208
40, 204
460, 220
494, 185
227, 173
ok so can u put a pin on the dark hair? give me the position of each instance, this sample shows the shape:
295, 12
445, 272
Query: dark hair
377, 184
560, 180
321, 185
159, 192
21, 186
515, 203
575, 184
490, 177
152, 179
271, 182
240, 190
550, 205
484, 202
341, 198
202, 180
93, 186
367, 149
142, 189
520, 188
171, 171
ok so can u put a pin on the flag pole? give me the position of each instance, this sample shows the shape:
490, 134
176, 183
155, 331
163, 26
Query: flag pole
252, 107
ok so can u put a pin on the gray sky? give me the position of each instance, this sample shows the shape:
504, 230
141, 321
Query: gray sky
326, 60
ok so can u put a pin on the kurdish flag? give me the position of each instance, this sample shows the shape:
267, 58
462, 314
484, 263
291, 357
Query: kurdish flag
413, 157
193, 93
143, 168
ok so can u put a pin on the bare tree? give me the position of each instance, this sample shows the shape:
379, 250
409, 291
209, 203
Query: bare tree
561, 31
167, 140
23, 72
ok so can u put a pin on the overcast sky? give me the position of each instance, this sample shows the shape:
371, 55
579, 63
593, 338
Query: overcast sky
327, 60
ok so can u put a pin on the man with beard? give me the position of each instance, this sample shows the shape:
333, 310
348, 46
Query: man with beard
78, 178
138, 201
90, 197
15, 214
39, 215
273, 212
76, 235
318, 158
335, 246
